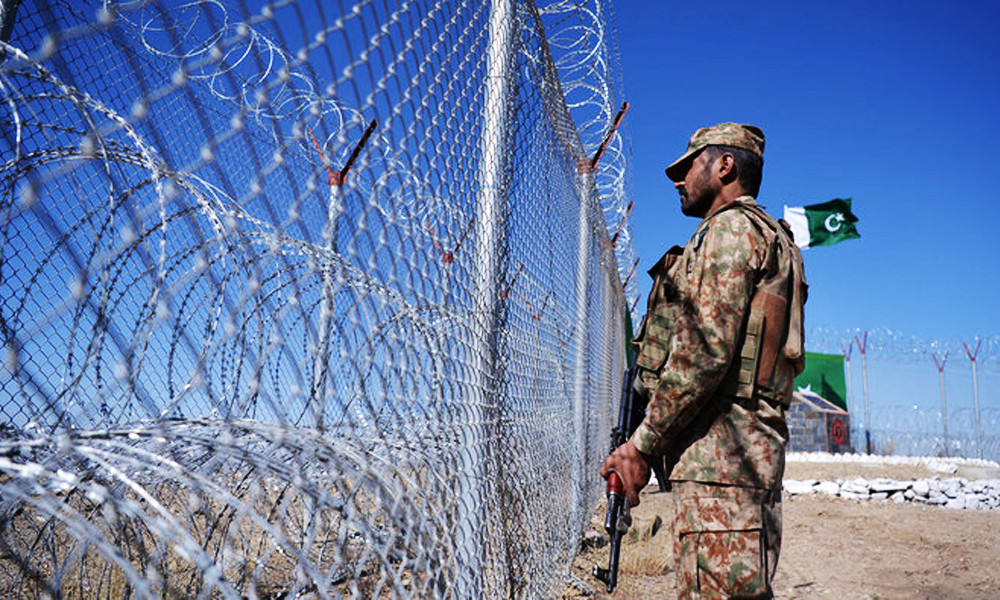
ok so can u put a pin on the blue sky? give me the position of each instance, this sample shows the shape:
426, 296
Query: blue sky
892, 104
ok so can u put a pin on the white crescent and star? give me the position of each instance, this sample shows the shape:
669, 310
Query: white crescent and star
833, 222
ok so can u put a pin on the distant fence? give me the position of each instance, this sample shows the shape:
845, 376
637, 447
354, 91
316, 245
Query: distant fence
908, 431
926, 397
306, 299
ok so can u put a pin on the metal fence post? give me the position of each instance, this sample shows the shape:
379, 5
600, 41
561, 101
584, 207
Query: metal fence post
975, 396
479, 565
863, 347
850, 389
578, 484
586, 191
944, 403
321, 364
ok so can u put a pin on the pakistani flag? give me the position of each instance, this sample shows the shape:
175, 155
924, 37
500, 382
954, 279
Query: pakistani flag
822, 224
823, 375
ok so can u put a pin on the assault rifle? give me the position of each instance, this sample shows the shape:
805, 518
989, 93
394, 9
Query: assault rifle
631, 411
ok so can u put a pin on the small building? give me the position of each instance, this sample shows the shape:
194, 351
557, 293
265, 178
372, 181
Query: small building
817, 425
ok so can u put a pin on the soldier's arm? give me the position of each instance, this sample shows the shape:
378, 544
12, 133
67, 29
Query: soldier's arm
713, 304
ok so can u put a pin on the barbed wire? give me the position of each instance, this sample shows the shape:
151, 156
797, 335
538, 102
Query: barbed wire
915, 431
903, 348
583, 40
304, 300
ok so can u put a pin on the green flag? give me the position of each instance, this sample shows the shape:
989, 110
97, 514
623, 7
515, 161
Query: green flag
822, 224
824, 375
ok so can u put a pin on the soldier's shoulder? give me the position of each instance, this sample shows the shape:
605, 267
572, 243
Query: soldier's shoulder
735, 222
731, 231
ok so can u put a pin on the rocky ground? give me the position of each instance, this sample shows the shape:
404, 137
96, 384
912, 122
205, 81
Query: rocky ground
858, 543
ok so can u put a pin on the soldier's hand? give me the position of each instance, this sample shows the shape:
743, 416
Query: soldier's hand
631, 466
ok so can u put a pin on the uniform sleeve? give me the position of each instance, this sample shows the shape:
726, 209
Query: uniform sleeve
718, 279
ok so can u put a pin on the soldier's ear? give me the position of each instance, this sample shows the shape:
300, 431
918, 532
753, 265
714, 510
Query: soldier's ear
726, 167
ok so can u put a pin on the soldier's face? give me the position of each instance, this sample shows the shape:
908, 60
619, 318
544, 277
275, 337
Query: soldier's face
696, 190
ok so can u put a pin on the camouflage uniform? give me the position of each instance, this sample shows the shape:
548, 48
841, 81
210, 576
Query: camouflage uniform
719, 348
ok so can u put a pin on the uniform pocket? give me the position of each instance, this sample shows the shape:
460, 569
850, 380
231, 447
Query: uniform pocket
740, 511
725, 547
656, 344
730, 564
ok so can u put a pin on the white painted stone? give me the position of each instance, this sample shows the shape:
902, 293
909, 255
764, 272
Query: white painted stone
856, 486
921, 487
853, 495
942, 466
830, 488
957, 503
898, 497
952, 489
879, 495
887, 485
936, 498
794, 487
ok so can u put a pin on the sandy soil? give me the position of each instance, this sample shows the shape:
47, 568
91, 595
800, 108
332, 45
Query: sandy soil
832, 548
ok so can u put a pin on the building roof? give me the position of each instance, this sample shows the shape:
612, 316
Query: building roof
816, 401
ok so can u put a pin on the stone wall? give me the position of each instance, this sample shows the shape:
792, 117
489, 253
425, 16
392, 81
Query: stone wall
815, 425
982, 492
953, 492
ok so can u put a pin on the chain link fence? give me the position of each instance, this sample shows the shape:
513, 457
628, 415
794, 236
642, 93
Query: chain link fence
913, 396
306, 299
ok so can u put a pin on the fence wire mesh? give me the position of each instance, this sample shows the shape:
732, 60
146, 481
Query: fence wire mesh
915, 396
306, 299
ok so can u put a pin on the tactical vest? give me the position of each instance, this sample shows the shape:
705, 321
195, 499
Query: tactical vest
771, 351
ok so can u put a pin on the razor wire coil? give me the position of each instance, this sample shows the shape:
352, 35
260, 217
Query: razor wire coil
247, 351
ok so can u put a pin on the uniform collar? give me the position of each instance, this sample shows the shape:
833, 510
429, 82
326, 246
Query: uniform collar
740, 201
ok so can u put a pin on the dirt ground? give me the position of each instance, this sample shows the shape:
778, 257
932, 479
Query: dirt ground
832, 548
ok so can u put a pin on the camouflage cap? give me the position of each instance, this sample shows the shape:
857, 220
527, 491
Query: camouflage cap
737, 135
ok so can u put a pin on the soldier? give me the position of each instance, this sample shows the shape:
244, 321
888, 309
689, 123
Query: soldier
718, 349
